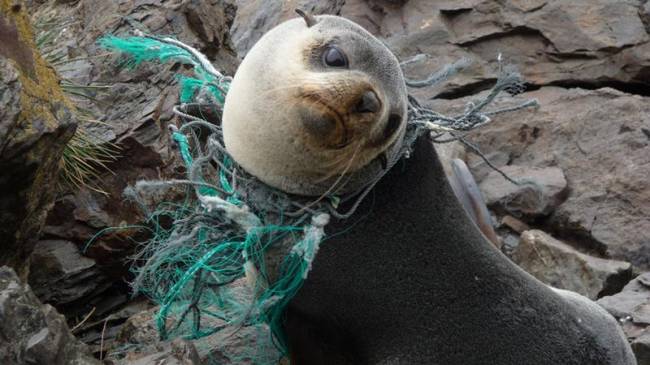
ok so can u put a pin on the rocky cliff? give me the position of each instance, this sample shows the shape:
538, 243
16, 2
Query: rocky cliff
587, 145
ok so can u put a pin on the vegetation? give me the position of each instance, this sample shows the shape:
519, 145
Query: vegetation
85, 156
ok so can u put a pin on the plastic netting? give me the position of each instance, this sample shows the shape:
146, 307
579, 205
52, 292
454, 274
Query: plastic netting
229, 256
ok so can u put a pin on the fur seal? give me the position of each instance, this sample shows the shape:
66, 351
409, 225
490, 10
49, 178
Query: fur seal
408, 279
415, 282
313, 101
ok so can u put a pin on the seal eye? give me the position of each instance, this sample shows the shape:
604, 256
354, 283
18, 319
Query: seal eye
334, 57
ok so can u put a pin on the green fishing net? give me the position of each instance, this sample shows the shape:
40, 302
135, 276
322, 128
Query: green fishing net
226, 258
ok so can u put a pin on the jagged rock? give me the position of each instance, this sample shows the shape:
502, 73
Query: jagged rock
177, 352
559, 265
479, 167
641, 348
597, 139
611, 46
631, 307
540, 192
140, 334
101, 328
211, 21
135, 110
36, 121
60, 275
632, 302
256, 17
33, 333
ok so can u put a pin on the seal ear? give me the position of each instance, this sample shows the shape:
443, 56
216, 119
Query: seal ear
309, 19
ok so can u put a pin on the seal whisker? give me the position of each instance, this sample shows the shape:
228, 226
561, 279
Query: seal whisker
334, 185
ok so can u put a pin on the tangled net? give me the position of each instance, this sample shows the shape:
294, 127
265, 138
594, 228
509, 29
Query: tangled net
235, 251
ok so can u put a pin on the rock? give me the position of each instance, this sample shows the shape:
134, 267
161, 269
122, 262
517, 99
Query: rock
509, 243
641, 348
36, 121
610, 46
178, 352
480, 169
256, 17
101, 328
211, 21
597, 139
60, 275
631, 307
530, 33
514, 224
632, 302
559, 265
225, 347
34, 333
135, 111
540, 192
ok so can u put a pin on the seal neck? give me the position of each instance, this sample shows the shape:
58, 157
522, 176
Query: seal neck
409, 259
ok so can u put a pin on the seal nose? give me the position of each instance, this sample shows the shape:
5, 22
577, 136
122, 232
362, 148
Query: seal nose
368, 103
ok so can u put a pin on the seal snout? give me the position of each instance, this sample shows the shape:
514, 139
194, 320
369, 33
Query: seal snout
368, 103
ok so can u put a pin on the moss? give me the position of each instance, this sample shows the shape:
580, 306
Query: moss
45, 124
41, 87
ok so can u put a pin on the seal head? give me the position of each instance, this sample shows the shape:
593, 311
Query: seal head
315, 106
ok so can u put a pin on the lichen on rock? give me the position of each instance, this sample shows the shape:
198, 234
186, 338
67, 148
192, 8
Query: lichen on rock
36, 126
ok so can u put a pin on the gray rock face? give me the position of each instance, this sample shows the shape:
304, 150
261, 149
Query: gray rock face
33, 333
60, 275
561, 266
632, 302
540, 192
139, 333
632, 307
135, 110
177, 352
35, 124
641, 348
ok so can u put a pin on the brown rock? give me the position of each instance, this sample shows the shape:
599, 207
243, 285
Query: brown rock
559, 265
256, 17
514, 224
540, 192
597, 138
608, 41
